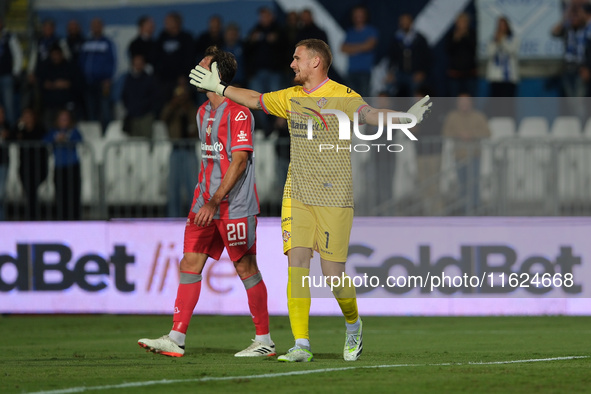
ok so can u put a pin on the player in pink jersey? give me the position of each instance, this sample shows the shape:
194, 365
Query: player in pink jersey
224, 212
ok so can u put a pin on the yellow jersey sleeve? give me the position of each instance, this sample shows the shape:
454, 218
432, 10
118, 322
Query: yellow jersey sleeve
276, 103
353, 103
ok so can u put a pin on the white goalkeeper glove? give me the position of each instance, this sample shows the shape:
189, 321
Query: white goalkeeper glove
419, 109
208, 80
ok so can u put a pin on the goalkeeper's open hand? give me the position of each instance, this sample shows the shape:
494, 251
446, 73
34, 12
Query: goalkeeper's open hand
419, 110
207, 80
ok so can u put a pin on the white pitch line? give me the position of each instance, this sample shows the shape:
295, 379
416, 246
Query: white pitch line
290, 373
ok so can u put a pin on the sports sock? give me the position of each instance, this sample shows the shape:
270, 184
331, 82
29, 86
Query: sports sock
186, 299
177, 337
352, 328
256, 292
265, 339
298, 302
303, 343
346, 297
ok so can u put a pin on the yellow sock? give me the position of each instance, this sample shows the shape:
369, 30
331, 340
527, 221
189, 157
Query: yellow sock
298, 302
347, 299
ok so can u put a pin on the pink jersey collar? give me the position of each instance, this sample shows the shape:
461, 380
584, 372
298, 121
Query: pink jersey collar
317, 87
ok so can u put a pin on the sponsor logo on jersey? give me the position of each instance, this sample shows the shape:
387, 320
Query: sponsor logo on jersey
242, 137
176, 310
286, 235
241, 116
238, 243
215, 147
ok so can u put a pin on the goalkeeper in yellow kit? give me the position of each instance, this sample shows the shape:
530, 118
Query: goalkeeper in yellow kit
317, 208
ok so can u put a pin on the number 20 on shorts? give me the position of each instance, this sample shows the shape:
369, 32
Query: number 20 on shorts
236, 231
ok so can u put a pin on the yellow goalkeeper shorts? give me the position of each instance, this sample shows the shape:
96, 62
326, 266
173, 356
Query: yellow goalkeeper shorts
326, 230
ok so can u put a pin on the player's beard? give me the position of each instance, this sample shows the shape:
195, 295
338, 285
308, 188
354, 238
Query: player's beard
297, 79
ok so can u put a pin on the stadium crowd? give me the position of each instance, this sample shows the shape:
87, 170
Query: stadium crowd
76, 73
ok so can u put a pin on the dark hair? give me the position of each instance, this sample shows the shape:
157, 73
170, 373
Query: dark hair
143, 19
65, 111
506, 20
226, 61
363, 8
318, 47
176, 16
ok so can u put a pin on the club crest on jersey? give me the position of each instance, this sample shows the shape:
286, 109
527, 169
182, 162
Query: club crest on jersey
241, 116
286, 235
208, 130
242, 137
322, 102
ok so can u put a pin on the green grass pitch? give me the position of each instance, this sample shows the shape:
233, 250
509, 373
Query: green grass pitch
99, 353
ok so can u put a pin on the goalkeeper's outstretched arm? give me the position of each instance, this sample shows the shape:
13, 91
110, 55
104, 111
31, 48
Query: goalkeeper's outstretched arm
204, 79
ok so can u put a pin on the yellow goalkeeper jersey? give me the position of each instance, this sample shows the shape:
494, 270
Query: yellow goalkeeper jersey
315, 176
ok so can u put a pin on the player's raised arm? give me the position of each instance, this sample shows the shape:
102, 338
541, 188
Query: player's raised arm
204, 79
370, 115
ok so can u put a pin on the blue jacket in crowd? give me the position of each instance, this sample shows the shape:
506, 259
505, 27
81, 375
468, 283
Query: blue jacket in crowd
97, 59
64, 152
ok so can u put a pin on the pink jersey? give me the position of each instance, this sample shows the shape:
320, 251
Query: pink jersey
226, 129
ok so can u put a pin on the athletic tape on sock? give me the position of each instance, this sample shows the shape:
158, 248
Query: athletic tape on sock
252, 280
187, 278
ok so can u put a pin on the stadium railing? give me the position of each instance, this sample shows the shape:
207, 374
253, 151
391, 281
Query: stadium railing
505, 176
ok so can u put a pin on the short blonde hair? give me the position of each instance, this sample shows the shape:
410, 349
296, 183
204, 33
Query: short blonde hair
320, 48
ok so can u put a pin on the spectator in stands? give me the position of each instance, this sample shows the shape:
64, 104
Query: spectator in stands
139, 96
175, 55
39, 54
410, 57
41, 48
214, 35
74, 39
68, 184
461, 52
179, 116
585, 71
428, 149
33, 159
502, 69
234, 45
144, 44
360, 43
263, 48
571, 30
4, 137
59, 81
97, 59
309, 29
467, 127
291, 29
11, 63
